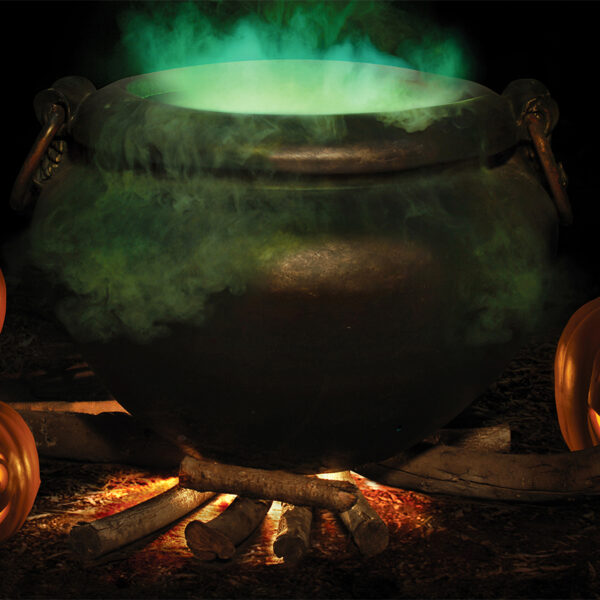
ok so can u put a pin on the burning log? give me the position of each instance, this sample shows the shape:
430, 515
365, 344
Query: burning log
110, 533
219, 537
337, 496
367, 528
293, 533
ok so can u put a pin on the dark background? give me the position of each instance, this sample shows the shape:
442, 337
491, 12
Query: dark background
555, 42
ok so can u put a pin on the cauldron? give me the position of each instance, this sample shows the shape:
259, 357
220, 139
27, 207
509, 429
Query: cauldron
309, 291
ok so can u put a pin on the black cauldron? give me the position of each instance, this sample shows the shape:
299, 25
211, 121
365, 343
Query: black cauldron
299, 291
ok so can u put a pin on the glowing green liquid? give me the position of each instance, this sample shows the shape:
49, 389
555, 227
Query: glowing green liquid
301, 87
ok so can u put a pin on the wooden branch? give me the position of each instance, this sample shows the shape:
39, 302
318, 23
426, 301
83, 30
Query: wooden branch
523, 477
495, 438
368, 530
202, 475
106, 437
219, 537
89, 408
99, 537
293, 533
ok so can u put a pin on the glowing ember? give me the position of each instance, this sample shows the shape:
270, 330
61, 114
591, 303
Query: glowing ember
118, 496
169, 551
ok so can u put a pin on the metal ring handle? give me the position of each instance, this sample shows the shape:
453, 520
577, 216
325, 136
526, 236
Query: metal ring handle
555, 176
20, 197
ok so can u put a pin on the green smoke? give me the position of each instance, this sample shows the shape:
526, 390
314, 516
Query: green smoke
274, 39
135, 251
300, 87
165, 35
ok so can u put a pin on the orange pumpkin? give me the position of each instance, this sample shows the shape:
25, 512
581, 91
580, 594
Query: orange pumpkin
19, 471
2, 300
577, 378
19, 463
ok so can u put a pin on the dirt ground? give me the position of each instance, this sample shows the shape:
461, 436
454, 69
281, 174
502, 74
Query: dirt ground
440, 547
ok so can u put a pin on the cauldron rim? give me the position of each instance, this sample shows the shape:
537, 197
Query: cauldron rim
475, 127
469, 89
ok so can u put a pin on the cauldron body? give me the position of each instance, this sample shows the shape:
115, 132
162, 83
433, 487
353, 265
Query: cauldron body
372, 308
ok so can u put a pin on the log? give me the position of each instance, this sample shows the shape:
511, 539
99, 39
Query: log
367, 528
219, 537
293, 533
91, 540
490, 475
103, 438
495, 438
301, 490
89, 408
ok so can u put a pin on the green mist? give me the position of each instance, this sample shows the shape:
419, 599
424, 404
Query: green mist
158, 36
299, 87
133, 252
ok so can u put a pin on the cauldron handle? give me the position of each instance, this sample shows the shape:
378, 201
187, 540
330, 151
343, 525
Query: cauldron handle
537, 115
54, 108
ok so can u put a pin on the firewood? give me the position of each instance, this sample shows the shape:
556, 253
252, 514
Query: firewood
491, 475
495, 438
367, 528
89, 408
293, 533
107, 437
301, 490
219, 537
97, 538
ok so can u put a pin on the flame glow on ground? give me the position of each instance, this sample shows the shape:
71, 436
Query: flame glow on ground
168, 552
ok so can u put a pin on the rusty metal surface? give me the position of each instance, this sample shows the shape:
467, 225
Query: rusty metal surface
55, 108
20, 197
555, 175
536, 115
